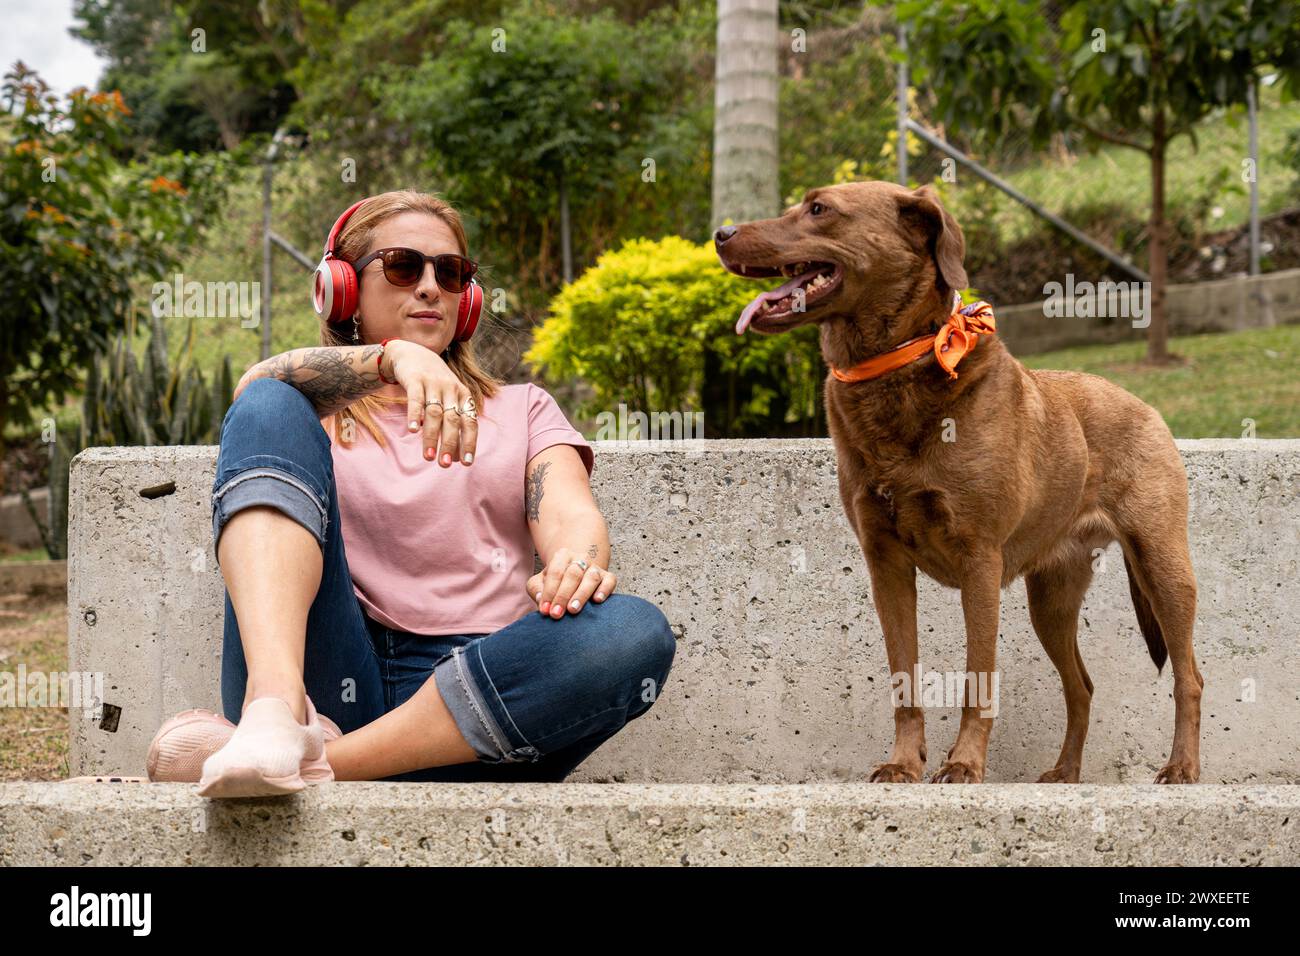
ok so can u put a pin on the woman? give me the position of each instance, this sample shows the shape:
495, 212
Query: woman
394, 591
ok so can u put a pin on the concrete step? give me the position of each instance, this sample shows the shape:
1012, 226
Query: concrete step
780, 674
653, 824
34, 577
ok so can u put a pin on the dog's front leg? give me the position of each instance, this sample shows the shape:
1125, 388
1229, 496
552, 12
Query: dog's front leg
893, 589
981, 594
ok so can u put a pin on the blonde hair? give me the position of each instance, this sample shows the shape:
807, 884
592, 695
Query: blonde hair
353, 243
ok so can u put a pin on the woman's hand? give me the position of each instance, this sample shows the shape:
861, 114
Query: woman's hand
564, 584
426, 378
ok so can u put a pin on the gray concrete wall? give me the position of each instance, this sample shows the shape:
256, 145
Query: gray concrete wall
17, 529
1224, 305
780, 674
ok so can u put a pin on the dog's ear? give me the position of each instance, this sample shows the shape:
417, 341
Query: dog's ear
935, 230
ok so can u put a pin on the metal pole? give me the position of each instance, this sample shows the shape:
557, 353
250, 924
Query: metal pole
298, 256
1024, 200
266, 257
1253, 114
268, 171
901, 94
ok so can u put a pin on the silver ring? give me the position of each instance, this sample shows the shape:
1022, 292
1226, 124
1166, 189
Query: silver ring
467, 411
580, 563
434, 402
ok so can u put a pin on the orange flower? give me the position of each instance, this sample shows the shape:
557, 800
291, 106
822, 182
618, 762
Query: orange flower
162, 182
47, 212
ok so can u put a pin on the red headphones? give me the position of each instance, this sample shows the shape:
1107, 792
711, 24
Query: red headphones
334, 291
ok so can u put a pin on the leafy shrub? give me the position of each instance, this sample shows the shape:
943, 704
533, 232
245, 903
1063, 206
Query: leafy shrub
652, 325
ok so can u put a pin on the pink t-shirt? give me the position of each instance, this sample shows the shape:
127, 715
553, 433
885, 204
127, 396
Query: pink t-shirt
436, 550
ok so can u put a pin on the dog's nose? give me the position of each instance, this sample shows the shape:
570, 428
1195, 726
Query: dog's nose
723, 234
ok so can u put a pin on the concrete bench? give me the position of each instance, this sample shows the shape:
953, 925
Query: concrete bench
780, 675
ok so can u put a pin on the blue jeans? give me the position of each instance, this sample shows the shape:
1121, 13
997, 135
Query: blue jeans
533, 699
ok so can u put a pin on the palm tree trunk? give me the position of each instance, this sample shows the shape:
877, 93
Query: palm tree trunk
745, 157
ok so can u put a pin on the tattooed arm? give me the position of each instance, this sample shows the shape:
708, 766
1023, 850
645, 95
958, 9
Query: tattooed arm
566, 524
332, 377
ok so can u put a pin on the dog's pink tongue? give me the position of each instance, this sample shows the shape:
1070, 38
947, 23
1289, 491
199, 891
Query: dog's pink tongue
775, 295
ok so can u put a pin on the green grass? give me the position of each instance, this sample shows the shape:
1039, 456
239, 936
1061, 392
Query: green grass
1123, 176
1228, 377
24, 557
34, 740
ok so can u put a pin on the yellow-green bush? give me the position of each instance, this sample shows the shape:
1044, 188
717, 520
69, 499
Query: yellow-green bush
652, 325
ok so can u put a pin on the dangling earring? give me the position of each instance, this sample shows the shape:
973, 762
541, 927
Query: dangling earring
356, 329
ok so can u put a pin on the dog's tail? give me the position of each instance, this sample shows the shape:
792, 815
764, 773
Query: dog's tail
1147, 622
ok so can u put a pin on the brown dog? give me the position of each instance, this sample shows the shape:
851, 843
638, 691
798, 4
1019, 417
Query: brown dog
1044, 468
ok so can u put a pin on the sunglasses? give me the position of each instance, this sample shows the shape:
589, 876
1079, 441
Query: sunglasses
403, 267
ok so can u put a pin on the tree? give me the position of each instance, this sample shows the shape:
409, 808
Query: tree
535, 115
343, 110
199, 74
1137, 74
76, 226
745, 153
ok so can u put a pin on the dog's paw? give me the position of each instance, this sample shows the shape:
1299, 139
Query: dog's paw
894, 773
1179, 773
954, 771
1060, 775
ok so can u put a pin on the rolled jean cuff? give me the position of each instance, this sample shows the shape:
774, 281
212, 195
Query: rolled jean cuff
269, 486
461, 691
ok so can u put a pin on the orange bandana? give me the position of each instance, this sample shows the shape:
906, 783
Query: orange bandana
950, 344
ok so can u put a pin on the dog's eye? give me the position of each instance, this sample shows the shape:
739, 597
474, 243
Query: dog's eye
816, 208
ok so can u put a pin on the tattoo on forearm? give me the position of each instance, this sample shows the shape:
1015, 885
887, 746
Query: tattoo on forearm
533, 490
332, 377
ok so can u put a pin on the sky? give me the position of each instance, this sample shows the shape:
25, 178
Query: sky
36, 32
